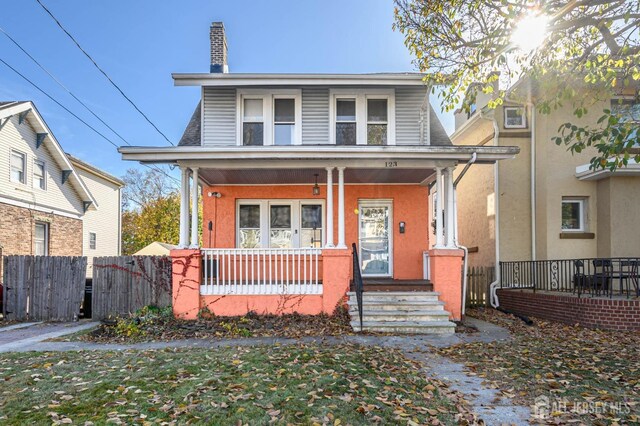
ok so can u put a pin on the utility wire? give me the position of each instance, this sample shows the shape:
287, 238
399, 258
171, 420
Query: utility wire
76, 116
62, 85
102, 71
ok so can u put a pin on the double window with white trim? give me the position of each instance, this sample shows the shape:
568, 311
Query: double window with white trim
280, 223
362, 117
269, 118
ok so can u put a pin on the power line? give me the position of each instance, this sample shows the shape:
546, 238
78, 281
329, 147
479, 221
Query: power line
62, 85
103, 72
76, 116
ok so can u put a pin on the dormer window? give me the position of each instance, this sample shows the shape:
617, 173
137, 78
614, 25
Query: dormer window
253, 122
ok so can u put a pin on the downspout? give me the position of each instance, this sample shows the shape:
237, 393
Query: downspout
465, 263
493, 296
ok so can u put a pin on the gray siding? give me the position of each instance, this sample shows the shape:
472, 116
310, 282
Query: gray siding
219, 121
315, 116
408, 103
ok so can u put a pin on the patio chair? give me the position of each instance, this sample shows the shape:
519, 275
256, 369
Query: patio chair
629, 274
603, 272
581, 282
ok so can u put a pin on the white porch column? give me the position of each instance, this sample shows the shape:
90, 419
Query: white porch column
341, 238
439, 236
194, 209
184, 208
329, 207
450, 208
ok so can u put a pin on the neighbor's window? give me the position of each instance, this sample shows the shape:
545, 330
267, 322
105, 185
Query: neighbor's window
284, 121
249, 225
39, 179
41, 239
92, 240
311, 225
253, 122
573, 214
626, 109
514, 118
377, 121
345, 121
18, 166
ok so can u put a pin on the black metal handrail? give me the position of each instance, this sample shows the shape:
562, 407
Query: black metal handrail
358, 286
596, 276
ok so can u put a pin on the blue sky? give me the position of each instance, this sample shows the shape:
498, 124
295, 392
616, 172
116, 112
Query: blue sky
140, 43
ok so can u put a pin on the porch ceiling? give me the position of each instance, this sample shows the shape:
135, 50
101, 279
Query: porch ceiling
306, 176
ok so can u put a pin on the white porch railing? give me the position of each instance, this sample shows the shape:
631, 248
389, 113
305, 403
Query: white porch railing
262, 271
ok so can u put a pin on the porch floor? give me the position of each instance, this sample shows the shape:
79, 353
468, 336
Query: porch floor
390, 284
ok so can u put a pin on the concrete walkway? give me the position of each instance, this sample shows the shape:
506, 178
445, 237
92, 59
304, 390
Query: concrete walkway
487, 403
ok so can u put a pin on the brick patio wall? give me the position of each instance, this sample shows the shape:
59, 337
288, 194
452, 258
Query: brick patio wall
609, 314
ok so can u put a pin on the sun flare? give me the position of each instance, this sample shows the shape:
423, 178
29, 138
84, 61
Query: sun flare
530, 31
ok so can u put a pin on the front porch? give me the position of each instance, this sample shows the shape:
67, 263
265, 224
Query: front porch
277, 223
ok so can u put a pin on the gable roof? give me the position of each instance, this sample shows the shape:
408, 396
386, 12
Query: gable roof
10, 108
94, 170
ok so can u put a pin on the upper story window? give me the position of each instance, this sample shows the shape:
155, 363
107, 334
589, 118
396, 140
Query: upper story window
362, 117
514, 118
269, 117
345, 121
626, 109
377, 121
18, 167
284, 121
39, 175
253, 122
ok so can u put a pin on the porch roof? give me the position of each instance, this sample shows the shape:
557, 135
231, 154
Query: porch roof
317, 155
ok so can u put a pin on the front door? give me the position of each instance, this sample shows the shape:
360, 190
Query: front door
375, 238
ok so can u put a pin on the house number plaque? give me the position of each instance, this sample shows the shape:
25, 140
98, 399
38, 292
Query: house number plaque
391, 164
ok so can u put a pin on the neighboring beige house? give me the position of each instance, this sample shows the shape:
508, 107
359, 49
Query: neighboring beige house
102, 227
545, 192
49, 201
156, 248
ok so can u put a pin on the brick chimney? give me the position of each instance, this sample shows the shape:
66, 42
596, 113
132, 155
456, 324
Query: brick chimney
218, 48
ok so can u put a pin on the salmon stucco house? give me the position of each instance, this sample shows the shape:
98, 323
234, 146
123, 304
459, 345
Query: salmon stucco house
293, 170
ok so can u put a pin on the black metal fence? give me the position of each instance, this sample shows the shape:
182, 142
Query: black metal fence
594, 276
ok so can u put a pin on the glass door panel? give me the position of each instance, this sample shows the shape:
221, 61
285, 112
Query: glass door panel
280, 226
375, 243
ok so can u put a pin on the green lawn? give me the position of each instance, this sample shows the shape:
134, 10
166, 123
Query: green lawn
335, 385
589, 376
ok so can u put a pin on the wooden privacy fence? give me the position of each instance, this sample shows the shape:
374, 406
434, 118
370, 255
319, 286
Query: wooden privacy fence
124, 284
478, 280
43, 288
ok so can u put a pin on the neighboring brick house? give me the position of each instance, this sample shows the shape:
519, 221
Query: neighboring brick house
44, 195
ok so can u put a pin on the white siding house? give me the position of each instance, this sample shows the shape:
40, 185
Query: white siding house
101, 228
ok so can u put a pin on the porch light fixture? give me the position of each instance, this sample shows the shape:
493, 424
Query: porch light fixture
316, 188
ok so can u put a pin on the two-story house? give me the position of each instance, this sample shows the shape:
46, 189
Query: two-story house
295, 170
51, 203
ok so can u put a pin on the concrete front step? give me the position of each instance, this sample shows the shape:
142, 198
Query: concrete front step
393, 306
397, 296
406, 327
399, 315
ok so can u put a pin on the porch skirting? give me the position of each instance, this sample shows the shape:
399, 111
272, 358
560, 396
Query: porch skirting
188, 300
603, 313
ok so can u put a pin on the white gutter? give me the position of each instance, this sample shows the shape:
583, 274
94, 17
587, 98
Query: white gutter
455, 231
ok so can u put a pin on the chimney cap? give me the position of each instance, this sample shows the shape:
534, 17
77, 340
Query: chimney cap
217, 24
